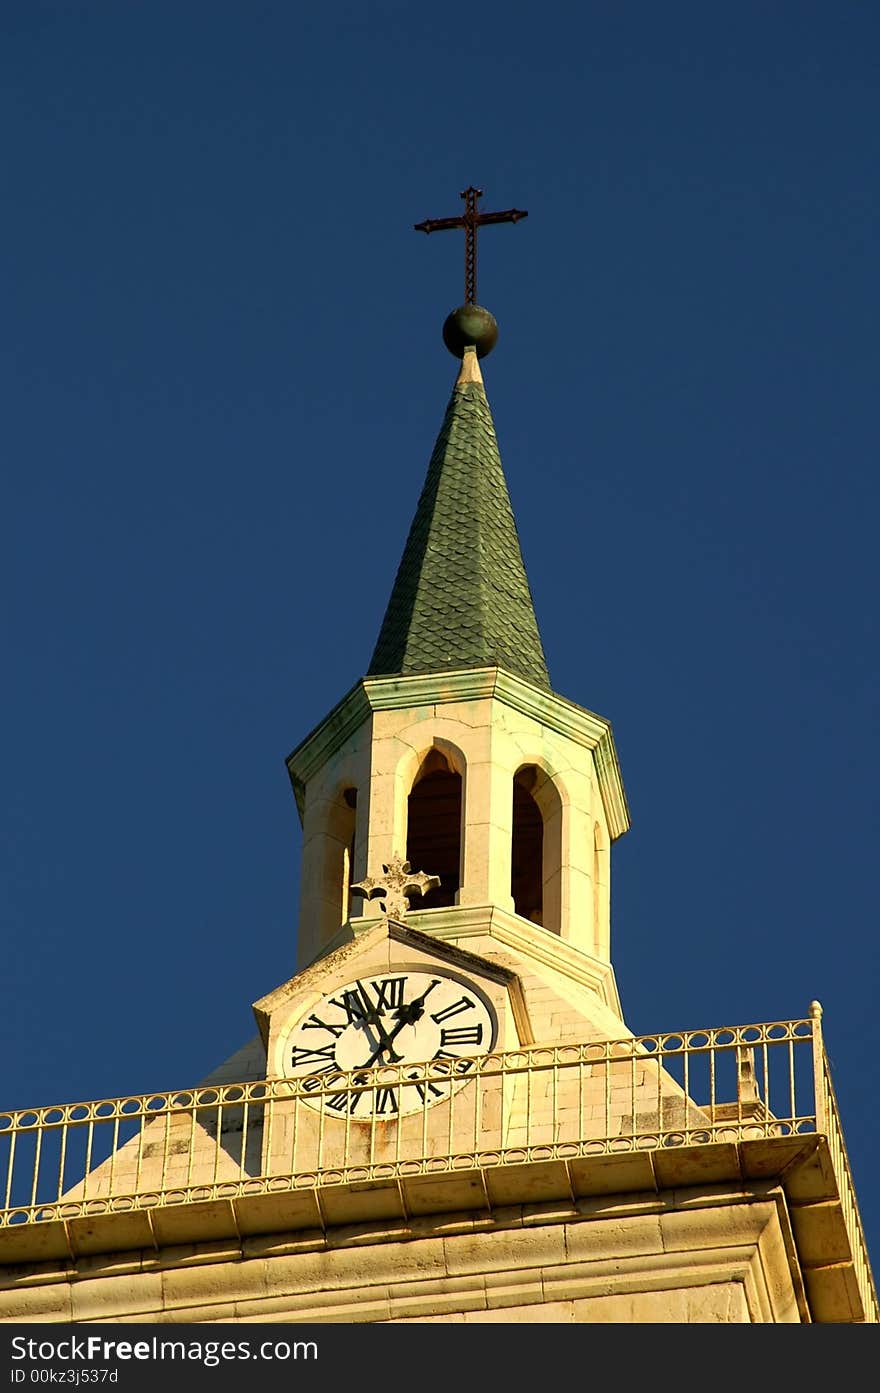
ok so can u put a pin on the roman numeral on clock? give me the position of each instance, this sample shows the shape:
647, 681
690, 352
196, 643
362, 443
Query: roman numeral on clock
424, 1089
324, 1058
386, 1101
312, 1083
461, 1035
389, 992
352, 1004
343, 1102
464, 1003
315, 1023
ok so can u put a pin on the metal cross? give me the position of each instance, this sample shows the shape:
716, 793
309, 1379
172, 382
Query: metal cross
393, 888
470, 221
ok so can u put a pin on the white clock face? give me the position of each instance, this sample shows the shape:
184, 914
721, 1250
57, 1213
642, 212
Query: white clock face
405, 1019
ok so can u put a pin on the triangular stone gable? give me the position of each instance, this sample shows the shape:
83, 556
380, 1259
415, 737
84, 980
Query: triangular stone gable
391, 946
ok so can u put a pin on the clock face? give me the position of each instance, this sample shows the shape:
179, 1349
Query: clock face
405, 1019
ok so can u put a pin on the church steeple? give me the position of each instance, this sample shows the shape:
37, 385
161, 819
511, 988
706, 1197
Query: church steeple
453, 753
461, 598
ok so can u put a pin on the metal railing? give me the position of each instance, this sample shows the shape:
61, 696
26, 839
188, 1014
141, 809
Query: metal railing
561, 1102
829, 1125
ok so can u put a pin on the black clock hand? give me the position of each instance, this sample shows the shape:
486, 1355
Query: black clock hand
406, 1014
412, 1011
388, 1044
373, 1019
371, 1015
371, 1011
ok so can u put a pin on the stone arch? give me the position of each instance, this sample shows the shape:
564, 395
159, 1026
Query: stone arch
435, 820
536, 846
409, 766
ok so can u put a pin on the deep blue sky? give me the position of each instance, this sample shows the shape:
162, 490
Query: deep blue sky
222, 375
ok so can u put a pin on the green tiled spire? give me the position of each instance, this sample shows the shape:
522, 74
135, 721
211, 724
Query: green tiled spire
461, 598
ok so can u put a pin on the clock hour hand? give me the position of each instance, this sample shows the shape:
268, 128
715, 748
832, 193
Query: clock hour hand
386, 1043
406, 1014
411, 1011
372, 1018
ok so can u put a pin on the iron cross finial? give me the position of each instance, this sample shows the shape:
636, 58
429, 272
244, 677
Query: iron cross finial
392, 888
470, 220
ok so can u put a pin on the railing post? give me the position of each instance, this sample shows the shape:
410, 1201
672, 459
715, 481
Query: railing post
820, 1101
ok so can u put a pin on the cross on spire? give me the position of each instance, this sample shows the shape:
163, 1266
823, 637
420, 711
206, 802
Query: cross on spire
392, 889
470, 220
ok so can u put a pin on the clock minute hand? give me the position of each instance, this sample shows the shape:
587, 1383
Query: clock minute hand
407, 1014
371, 1018
387, 1043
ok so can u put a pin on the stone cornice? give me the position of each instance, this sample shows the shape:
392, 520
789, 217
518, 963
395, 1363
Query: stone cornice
574, 722
734, 1226
326, 738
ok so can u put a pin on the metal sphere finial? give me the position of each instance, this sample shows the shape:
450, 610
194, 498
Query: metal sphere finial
470, 325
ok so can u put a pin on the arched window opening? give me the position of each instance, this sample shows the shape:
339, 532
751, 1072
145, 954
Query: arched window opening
527, 852
433, 838
536, 882
348, 827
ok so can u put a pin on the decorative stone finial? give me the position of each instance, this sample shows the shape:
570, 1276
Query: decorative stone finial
392, 889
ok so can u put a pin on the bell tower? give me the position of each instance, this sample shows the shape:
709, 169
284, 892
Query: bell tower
454, 749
